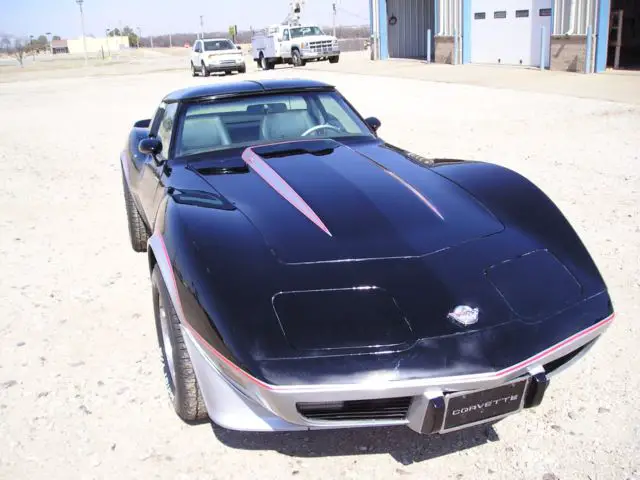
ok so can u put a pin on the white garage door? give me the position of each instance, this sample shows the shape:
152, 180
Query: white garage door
510, 31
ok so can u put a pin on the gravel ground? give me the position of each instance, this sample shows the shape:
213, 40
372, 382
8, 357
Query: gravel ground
81, 389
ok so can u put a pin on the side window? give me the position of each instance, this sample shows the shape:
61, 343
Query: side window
198, 46
339, 111
166, 128
285, 35
155, 120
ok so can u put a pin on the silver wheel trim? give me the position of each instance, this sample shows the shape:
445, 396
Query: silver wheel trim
167, 346
263, 63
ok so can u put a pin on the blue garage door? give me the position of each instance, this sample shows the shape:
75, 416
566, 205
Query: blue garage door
408, 23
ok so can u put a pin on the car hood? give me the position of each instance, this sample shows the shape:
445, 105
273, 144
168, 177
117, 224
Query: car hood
323, 254
322, 201
315, 38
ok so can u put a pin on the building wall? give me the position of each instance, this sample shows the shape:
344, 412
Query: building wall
568, 52
449, 31
444, 50
570, 18
96, 45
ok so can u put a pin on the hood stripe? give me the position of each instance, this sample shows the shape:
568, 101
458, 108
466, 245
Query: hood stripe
275, 181
424, 199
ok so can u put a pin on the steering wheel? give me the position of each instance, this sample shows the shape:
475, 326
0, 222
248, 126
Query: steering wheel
321, 127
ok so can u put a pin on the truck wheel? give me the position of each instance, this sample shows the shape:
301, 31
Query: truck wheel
194, 72
243, 69
335, 59
180, 378
205, 72
137, 229
296, 58
264, 63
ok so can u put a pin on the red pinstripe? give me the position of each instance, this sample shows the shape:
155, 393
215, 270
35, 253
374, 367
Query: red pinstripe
260, 383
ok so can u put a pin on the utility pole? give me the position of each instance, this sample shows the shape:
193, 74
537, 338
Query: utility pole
151, 40
84, 39
334, 19
170, 42
108, 47
139, 35
201, 26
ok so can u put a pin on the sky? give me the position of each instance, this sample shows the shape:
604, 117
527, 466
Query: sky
155, 17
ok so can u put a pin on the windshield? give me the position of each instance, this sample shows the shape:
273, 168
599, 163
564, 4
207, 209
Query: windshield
242, 122
211, 45
305, 32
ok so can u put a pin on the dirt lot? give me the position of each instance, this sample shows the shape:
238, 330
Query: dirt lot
81, 390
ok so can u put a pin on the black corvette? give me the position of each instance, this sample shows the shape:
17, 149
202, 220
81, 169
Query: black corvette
306, 274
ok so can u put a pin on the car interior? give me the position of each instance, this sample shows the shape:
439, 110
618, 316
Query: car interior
204, 130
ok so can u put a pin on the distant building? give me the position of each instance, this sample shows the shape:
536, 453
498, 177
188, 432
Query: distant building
570, 35
97, 45
59, 46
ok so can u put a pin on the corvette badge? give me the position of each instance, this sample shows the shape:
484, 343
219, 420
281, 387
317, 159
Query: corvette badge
464, 315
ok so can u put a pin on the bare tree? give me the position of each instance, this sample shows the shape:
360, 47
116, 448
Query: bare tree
6, 43
20, 49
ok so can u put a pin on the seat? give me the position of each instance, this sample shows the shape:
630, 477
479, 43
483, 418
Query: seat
281, 125
203, 132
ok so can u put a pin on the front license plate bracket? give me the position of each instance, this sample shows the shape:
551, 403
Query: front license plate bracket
465, 409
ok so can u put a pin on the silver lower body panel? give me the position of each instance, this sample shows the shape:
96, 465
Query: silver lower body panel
266, 409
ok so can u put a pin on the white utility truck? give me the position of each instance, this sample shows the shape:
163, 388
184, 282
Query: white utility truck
293, 42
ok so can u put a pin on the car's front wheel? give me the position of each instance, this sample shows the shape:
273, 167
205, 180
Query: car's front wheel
179, 375
194, 72
138, 233
205, 72
243, 69
335, 59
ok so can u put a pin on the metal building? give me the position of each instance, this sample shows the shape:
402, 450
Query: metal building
571, 35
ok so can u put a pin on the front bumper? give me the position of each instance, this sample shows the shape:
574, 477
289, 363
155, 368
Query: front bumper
237, 401
225, 67
309, 54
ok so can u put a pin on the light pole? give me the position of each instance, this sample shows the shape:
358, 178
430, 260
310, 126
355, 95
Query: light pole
201, 26
84, 40
139, 34
107, 31
49, 38
334, 19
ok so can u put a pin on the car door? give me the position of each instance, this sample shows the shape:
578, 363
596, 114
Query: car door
285, 44
154, 167
196, 53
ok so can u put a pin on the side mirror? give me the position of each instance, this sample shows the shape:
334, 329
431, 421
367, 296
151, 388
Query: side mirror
150, 146
373, 123
143, 123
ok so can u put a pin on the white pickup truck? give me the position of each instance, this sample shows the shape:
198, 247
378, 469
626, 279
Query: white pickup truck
293, 44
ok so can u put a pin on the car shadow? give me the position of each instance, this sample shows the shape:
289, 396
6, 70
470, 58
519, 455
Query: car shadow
402, 444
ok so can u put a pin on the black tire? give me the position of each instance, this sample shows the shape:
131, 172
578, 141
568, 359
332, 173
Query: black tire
138, 233
205, 72
334, 59
227, 72
243, 69
182, 385
264, 63
296, 58
194, 72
